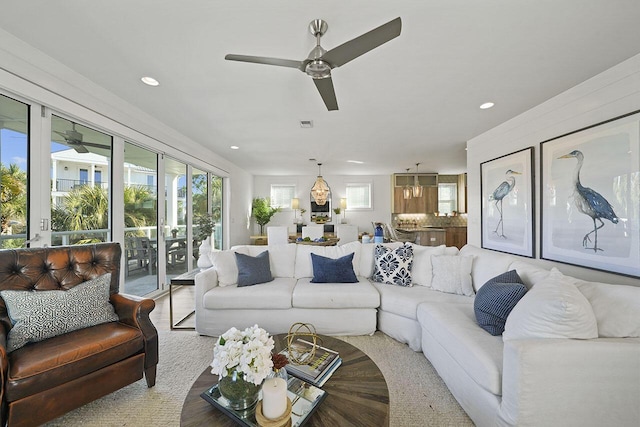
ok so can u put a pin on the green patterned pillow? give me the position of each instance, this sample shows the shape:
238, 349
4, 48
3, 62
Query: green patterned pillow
39, 315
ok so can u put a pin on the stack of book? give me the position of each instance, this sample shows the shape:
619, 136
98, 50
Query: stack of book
315, 370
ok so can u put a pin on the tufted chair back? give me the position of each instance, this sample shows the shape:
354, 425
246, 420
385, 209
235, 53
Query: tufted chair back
56, 268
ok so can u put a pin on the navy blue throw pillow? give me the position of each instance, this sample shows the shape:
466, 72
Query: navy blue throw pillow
495, 300
329, 270
253, 270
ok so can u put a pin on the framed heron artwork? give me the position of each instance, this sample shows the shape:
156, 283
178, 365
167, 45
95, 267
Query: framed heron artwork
507, 217
590, 201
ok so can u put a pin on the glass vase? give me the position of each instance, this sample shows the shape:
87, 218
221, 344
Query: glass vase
240, 393
279, 373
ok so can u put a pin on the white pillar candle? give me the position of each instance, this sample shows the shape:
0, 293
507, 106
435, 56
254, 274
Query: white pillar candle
274, 398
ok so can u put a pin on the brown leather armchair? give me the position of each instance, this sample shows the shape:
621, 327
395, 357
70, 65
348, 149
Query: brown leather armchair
46, 379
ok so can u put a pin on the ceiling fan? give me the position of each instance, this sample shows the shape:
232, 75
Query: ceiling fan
320, 62
73, 138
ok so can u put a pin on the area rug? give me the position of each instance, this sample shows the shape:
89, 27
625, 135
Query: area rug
418, 397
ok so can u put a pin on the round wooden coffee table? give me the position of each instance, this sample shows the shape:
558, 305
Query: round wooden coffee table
357, 393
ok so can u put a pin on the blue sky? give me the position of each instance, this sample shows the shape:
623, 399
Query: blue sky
13, 148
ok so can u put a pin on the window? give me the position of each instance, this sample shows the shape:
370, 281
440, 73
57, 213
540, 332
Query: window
359, 196
84, 176
447, 198
97, 177
281, 195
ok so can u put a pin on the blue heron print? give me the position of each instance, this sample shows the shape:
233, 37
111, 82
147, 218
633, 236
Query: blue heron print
499, 194
590, 203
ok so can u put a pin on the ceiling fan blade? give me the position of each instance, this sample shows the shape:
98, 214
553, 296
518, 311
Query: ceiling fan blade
360, 45
78, 147
325, 87
267, 61
94, 144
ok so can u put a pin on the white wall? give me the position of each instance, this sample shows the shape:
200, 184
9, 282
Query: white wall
381, 195
610, 94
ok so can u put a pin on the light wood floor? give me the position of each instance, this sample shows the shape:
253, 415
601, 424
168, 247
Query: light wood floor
182, 305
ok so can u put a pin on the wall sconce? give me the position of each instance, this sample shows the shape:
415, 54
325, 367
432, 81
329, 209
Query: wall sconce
343, 206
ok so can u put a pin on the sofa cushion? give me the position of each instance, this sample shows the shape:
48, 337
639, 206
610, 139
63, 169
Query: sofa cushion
530, 274
421, 271
404, 301
225, 264
282, 258
39, 315
616, 308
361, 294
553, 308
367, 257
64, 358
273, 295
452, 274
304, 267
495, 300
393, 266
253, 270
329, 270
454, 327
486, 264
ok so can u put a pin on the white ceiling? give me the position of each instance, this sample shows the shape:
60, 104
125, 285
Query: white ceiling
413, 99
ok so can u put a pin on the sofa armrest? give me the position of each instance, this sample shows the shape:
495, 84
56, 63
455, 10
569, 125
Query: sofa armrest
4, 373
571, 382
204, 281
134, 311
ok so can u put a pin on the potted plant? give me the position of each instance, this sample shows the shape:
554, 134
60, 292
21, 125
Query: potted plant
262, 211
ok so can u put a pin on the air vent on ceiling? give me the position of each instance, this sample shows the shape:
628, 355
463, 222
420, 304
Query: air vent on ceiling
307, 124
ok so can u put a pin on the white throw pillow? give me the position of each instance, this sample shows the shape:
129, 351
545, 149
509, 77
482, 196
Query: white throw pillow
616, 307
487, 264
421, 270
553, 308
452, 274
225, 264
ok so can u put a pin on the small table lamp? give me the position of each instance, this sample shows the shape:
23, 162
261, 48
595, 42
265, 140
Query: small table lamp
343, 206
295, 205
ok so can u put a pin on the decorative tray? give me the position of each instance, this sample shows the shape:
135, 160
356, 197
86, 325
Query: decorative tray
328, 242
304, 397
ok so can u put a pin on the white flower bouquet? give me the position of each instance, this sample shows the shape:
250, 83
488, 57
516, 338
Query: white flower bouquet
248, 352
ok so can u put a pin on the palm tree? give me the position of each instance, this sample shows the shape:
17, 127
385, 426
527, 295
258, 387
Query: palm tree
13, 200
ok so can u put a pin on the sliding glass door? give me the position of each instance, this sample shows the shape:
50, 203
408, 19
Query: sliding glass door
140, 220
177, 203
14, 148
80, 168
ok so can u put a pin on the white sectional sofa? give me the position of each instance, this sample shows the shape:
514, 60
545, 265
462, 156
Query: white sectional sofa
517, 379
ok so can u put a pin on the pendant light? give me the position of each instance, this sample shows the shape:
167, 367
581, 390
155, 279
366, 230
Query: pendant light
320, 190
417, 188
407, 191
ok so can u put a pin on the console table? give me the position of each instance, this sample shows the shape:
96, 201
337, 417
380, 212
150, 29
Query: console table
185, 279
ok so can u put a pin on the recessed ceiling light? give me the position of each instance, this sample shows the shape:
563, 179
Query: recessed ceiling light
486, 105
234, 147
358, 162
150, 81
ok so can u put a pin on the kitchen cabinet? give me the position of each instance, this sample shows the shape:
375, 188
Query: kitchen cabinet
462, 193
456, 236
428, 203
434, 237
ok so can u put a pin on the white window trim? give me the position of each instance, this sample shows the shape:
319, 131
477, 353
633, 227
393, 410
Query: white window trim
294, 192
360, 184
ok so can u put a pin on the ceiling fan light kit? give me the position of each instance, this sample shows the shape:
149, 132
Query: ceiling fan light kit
320, 62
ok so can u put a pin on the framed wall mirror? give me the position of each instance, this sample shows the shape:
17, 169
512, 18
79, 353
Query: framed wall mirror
321, 213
